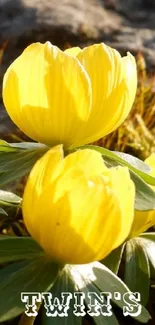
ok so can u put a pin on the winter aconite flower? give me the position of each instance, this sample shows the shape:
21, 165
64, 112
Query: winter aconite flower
76, 208
73, 97
143, 220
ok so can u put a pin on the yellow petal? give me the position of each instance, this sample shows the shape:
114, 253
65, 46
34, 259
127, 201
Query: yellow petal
45, 171
125, 191
143, 220
70, 223
73, 214
89, 161
114, 83
80, 218
47, 94
73, 51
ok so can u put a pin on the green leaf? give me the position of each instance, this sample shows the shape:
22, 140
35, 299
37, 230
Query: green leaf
148, 235
28, 276
147, 241
133, 163
16, 160
138, 166
6, 147
145, 195
106, 281
9, 198
28, 145
3, 212
137, 271
113, 260
18, 248
64, 283
101, 319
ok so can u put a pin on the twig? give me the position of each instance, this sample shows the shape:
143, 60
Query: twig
25, 320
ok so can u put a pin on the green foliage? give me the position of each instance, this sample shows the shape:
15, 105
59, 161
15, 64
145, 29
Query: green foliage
16, 160
113, 260
31, 270
18, 248
102, 278
145, 195
137, 271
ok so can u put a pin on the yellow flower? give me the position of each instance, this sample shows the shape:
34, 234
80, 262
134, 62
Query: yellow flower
143, 220
73, 97
75, 207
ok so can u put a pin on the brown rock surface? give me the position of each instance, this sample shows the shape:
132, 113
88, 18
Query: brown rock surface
129, 25
126, 25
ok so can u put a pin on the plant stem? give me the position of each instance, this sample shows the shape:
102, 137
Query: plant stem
25, 320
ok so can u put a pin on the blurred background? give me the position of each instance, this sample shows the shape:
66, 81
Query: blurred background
127, 25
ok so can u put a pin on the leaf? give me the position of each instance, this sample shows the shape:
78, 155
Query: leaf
28, 276
3, 212
138, 166
113, 260
28, 145
64, 283
5, 147
106, 281
101, 319
133, 163
148, 235
137, 271
18, 248
147, 241
16, 160
9, 197
145, 195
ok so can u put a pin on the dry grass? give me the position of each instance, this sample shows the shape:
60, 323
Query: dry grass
137, 134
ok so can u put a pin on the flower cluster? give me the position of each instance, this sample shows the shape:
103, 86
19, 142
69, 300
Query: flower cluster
75, 207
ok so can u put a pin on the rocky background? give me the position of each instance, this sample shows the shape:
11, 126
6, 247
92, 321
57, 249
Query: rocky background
127, 25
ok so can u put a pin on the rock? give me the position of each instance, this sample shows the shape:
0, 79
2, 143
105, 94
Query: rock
24, 21
130, 7
120, 24
125, 25
69, 22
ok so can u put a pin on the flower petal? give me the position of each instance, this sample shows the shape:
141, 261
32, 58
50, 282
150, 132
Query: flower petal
87, 160
125, 191
114, 83
72, 218
73, 51
73, 214
47, 93
143, 220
